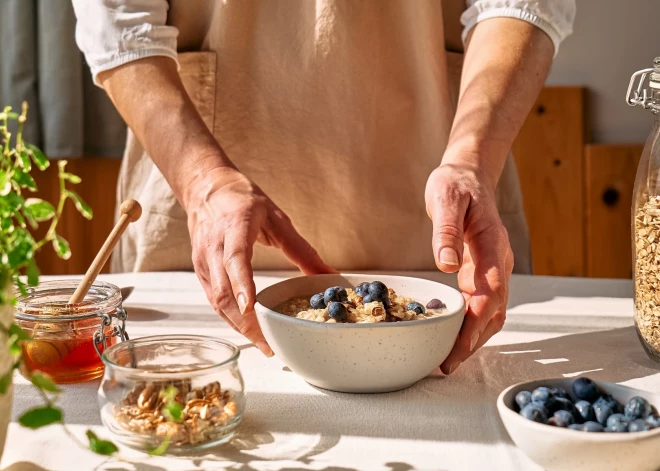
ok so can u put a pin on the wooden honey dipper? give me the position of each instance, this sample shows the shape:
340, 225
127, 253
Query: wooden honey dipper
130, 211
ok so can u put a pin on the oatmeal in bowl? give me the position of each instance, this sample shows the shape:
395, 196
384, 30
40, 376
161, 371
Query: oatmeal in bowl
367, 303
361, 333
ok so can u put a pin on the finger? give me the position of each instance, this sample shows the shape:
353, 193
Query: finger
295, 247
490, 296
223, 300
208, 290
494, 326
239, 242
448, 215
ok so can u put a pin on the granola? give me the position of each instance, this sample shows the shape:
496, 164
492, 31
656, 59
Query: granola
358, 306
205, 412
647, 272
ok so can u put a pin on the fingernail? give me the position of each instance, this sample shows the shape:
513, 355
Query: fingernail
265, 348
473, 341
453, 367
448, 256
242, 302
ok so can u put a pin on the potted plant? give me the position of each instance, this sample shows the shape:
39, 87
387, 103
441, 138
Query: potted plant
19, 214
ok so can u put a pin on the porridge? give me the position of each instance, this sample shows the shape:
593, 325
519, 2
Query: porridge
367, 303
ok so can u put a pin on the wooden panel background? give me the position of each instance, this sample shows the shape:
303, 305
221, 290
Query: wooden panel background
564, 181
610, 177
98, 189
548, 153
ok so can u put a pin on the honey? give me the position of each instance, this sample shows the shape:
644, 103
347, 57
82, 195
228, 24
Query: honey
67, 340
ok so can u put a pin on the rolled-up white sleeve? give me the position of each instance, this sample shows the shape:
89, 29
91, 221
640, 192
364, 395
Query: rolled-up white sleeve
113, 32
554, 17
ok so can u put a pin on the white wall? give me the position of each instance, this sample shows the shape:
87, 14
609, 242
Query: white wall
611, 40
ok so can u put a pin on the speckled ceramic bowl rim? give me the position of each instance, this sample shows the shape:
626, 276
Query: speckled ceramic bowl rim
566, 432
377, 325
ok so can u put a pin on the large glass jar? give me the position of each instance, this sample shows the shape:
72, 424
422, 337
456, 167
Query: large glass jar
145, 375
646, 215
68, 339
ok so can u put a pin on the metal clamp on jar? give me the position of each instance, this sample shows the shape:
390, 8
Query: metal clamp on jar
67, 340
646, 215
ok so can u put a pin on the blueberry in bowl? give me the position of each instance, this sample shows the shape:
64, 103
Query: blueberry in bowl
597, 425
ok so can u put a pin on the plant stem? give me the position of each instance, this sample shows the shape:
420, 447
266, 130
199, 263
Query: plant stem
50, 235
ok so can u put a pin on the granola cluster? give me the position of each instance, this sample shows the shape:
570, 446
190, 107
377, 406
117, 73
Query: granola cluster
339, 305
205, 412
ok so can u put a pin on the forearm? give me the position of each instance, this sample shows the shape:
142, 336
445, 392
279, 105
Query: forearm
151, 98
506, 64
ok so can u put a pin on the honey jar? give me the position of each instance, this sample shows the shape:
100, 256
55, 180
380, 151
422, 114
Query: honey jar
67, 340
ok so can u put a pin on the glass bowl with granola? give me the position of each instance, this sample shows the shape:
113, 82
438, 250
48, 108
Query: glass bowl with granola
360, 333
178, 392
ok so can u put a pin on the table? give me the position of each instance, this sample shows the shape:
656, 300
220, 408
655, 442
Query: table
555, 327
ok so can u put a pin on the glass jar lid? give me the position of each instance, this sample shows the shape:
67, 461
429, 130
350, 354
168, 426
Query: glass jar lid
638, 95
50, 301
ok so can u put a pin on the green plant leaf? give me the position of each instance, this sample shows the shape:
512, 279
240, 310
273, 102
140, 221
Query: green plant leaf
40, 160
21, 286
40, 210
20, 218
162, 448
14, 201
24, 180
25, 160
100, 447
81, 206
20, 334
32, 273
75, 179
44, 382
61, 247
172, 411
5, 381
22, 252
40, 417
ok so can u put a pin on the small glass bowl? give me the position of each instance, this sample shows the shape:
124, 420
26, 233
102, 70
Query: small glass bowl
209, 387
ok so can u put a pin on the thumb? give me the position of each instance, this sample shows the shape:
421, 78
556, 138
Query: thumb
448, 218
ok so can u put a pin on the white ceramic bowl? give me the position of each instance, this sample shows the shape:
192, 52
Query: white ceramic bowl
556, 448
361, 358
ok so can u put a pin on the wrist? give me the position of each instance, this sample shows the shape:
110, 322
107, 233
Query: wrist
486, 168
201, 177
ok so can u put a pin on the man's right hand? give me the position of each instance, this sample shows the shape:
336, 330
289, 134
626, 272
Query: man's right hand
227, 214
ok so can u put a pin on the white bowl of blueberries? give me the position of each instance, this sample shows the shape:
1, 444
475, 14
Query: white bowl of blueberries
335, 349
580, 424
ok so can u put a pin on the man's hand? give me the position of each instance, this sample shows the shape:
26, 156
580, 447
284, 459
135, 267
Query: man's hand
468, 237
227, 214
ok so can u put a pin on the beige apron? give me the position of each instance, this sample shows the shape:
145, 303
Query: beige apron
338, 109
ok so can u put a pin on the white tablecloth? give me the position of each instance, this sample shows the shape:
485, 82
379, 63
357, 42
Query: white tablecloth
555, 327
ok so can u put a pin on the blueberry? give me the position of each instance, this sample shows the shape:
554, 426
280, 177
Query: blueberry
378, 291
561, 403
639, 425
584, 388
335, 294
337, 311
543, 396
362, 289
592, 427
415, 306
367, 299
535, 412
604, 407
562, 418
615, 419
523, 398
559, 392
619, 427
585, 411
638, 408
653, 421
317, 301
435, 304
575, 427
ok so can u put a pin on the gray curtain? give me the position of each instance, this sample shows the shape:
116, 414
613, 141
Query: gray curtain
41, 64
